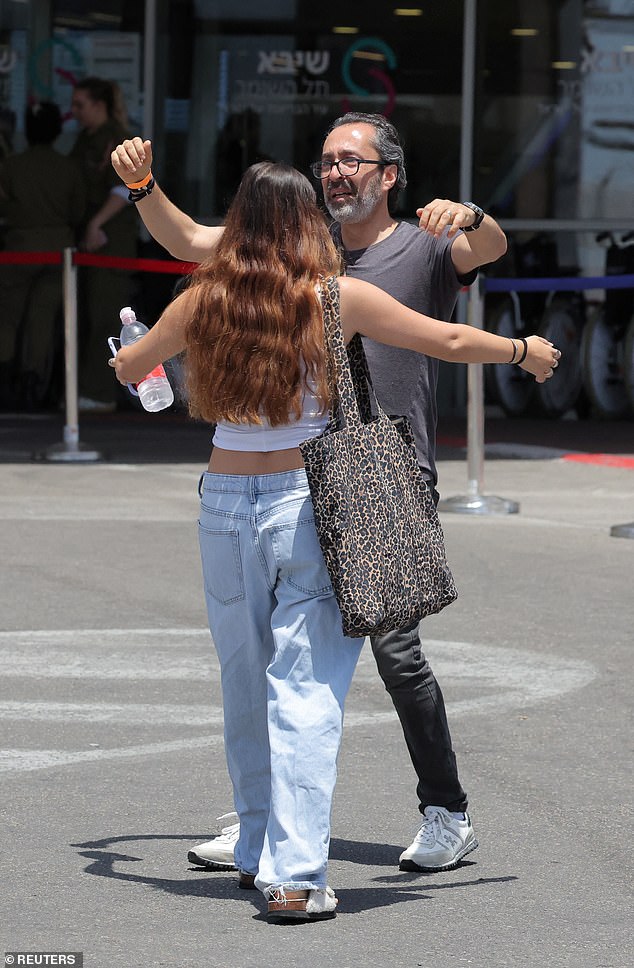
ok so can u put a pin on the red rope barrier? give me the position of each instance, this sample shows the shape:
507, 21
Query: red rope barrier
31, 258
184, 268
94, 259
142, 265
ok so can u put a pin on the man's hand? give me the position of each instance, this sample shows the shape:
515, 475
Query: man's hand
443, 214
132, 160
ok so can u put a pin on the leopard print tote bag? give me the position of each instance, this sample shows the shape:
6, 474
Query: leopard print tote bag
376, 519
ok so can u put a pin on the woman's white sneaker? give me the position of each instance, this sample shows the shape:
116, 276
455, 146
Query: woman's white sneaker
441, 842
217, 853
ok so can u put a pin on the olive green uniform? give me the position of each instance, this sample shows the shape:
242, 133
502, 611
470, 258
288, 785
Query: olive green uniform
42, 197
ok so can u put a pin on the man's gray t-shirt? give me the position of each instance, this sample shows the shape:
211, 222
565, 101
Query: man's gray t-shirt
415, 268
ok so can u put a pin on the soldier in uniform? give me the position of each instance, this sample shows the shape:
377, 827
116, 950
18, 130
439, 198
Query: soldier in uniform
43, 197
109, 228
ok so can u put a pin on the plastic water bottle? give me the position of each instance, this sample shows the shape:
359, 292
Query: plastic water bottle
154, 390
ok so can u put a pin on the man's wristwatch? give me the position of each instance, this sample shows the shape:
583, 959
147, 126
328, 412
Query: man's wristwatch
479, 215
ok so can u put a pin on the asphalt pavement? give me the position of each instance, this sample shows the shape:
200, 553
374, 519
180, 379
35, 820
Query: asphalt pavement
113, 762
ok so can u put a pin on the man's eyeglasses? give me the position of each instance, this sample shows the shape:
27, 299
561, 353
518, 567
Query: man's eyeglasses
345, 166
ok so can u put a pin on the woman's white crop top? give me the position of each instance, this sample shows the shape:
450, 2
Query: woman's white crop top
263, 437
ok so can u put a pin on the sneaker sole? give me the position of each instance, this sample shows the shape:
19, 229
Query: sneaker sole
211, 865
278, 916
410, 865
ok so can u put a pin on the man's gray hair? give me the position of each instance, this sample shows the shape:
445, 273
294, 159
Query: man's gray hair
386, 142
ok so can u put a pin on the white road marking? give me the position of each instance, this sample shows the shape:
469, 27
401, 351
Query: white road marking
40, 638
116, 656
111, 664
496, 678
504, 678
23, 761
129, 714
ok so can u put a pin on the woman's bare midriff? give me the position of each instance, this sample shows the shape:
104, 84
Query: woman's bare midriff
254, 462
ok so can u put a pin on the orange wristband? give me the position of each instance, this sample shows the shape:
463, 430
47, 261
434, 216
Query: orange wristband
140, 184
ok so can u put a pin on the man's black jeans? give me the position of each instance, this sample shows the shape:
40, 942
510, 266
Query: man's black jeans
419, 702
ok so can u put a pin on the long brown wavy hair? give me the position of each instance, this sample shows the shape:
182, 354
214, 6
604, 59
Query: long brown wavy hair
256, 332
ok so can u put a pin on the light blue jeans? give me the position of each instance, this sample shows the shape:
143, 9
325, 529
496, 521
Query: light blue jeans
286, 668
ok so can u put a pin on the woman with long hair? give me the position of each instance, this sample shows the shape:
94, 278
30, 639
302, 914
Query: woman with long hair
251, 325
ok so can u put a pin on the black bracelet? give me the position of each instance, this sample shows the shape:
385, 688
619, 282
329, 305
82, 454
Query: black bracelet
136, 194
512, 360
523, 356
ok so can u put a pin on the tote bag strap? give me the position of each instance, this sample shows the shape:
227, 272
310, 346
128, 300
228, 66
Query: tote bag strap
351, 374
361, 379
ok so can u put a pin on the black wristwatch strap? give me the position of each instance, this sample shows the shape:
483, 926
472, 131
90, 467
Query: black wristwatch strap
479, 215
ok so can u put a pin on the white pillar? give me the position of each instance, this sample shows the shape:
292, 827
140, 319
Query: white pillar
474, 502
70, 450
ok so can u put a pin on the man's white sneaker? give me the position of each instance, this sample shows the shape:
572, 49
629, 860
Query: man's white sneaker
217, 853
441, 842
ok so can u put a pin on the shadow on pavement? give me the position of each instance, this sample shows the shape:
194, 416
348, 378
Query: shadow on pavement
103, 862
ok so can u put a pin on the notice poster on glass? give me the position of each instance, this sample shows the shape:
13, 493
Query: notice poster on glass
607, 120
109, 54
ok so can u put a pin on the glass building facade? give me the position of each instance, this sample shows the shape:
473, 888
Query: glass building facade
238, 80
219, 84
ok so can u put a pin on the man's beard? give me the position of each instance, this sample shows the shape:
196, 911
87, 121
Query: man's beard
359, 207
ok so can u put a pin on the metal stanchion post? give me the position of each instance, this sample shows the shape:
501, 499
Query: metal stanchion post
475, 502
70, 450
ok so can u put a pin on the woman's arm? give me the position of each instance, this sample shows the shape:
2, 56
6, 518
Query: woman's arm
165, 340
174, 230
368, 310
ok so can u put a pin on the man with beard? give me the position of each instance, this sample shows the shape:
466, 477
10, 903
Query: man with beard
362, 170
